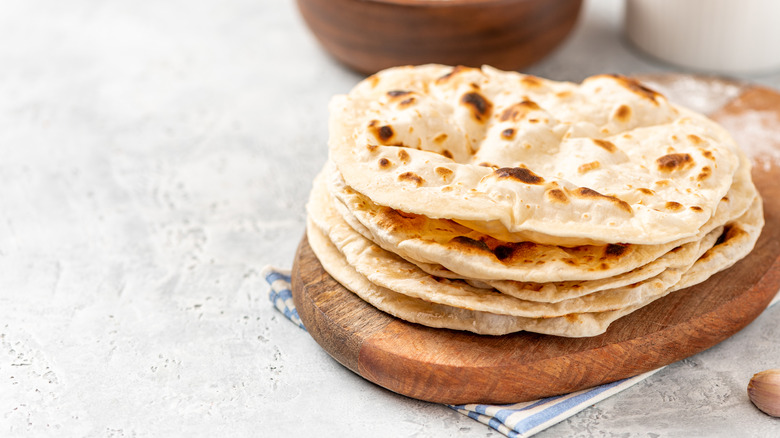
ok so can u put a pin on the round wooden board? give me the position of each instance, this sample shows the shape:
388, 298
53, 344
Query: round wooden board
447, 366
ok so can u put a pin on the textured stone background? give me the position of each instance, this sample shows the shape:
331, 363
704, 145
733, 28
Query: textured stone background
154, 157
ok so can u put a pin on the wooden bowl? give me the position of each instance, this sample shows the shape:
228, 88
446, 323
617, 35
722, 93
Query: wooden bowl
370, 35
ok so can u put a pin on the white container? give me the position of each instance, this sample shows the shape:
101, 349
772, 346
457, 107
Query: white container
723, 36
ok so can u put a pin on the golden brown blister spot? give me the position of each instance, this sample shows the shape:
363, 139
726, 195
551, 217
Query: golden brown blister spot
395, 220
646, 191
673, 206
446, 189
384, 163
563, 94
706, 255
521, 174
531, 81
440, 138
444, 173
627, 136
730, 232
623, 114
508, 134
637, 88
452, 73
557, 195
404, 156
606, 145
407, 102
587, 167
586, 193
412, 178
518, 111
372, 147
447, 153
479, 106
373, 80
470, 245
674, 162
486, 164
695, 139
705, 173
707, 154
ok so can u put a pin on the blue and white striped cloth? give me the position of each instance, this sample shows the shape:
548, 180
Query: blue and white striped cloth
518, 420
280, 293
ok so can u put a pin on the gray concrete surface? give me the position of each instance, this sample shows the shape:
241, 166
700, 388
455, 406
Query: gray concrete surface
154, 156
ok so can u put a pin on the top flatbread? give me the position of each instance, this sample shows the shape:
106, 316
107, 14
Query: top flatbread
522, 158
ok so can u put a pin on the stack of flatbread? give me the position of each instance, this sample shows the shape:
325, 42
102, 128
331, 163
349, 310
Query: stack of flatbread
495, 202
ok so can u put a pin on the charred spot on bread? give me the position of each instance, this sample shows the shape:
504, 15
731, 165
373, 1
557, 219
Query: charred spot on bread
479, 106
674, 162
521, 174
586, 193
606, 145
412, 178
518, 111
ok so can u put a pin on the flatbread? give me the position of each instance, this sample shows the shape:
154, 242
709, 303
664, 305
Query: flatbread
431, 243
496, 202
390, 271
736, 242
605, 161
442, 316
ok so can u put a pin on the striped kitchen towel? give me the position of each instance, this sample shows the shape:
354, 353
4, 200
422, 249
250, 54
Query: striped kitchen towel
516, 420
281, 294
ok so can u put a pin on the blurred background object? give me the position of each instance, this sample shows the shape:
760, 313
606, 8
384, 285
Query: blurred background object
721, 36
370, 35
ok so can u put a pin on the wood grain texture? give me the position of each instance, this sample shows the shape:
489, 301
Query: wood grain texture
376, 34
458, 367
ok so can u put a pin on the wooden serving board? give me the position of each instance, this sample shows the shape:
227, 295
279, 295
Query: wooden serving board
454, 367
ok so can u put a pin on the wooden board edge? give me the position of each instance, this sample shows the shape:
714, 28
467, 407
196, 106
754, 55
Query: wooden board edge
335, 339
383, 367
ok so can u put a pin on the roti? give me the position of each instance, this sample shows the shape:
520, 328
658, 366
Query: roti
472, 254
605, 161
